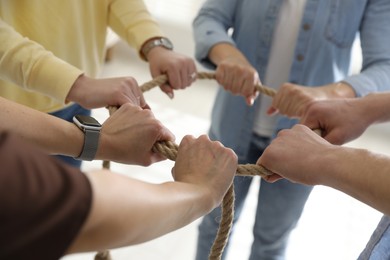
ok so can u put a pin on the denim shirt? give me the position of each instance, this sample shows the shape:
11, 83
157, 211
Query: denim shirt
322, 53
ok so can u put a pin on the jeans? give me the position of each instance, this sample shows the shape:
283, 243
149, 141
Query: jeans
378, 247
67, 114
279, 208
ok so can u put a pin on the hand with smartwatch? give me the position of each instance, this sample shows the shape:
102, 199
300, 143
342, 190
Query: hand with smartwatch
180, 69
127, 136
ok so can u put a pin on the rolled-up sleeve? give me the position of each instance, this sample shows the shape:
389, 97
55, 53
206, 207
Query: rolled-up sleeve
211, 27
375, 43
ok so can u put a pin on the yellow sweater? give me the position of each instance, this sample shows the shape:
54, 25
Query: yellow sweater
45, 45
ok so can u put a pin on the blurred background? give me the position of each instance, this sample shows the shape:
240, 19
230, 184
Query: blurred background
333, 226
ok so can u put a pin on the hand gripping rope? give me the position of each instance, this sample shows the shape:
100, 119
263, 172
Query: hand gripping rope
169, 150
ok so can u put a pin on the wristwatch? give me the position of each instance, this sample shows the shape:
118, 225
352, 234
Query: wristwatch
91, 128
150, 44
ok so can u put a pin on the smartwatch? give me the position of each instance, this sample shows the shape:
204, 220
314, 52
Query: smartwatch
91, 128
160, 41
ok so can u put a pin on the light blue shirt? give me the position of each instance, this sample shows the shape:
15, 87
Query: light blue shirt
378, 247
322, 53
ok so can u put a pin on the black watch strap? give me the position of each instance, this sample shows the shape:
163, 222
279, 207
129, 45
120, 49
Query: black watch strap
91, 143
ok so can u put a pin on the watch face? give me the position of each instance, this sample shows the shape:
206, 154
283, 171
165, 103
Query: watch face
87, 123
167, 43
87, 120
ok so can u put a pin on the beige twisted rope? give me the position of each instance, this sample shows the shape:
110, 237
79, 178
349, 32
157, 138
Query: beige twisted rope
104, 255
169, 150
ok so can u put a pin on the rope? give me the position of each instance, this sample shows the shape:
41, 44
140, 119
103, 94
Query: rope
104, 255
169, 150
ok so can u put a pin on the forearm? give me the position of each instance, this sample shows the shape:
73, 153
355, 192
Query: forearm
376, 106
53, 135
339, 90
126, 211
222, 51
361, 174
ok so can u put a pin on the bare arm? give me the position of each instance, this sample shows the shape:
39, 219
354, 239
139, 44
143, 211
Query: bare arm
361, 174
126, 211
302, 156
378, 106
50, 133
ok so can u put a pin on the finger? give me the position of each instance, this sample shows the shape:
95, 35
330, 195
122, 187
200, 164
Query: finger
194, 72
187, 140
173, 172
167, 90
219, 75
234, 83
207, 138
273, 178
146, 106
333, 137
311, 122
250, 100
193, 77
141, 101
272, 111
191, 74
185, 78
166, 135
227, 80
157, 157
175, 78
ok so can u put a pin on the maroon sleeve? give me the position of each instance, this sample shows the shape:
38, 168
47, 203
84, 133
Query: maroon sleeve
43, 202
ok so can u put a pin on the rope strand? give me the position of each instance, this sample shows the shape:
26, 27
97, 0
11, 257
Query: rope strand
169, 150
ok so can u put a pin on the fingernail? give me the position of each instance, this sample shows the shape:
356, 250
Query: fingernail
170, 95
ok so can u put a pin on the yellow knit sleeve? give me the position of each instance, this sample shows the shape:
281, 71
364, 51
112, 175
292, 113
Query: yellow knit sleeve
28, 65
132, 21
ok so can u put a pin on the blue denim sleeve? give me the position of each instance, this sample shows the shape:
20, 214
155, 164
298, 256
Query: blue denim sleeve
211, 26
375, 43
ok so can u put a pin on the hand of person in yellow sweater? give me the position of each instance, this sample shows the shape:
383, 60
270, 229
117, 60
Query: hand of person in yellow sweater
95, 93
180, 69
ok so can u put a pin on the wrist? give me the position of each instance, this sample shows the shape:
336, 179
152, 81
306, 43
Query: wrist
222, 52
156, 42
71, 141
323, 172
375, 107
205, 198
105, 150
343, 90
346, 162
75, 92
77, 138
343, 159
91, 129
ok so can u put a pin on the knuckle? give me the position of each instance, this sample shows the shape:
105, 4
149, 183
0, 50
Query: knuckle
126, 107
130, 81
